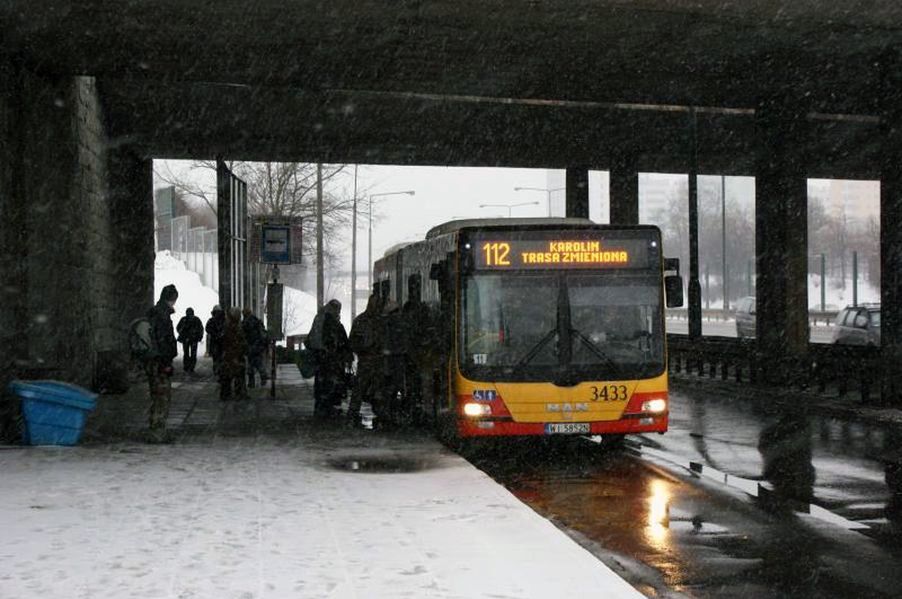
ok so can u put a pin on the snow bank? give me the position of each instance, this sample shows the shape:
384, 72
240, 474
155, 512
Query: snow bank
298, 311
299, 307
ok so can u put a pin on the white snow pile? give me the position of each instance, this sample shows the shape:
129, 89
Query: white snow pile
299, 308
192, 293
298, 311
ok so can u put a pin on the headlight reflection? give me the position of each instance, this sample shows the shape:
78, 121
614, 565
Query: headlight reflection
658, 523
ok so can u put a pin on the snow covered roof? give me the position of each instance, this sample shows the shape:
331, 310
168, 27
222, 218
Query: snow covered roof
455, 225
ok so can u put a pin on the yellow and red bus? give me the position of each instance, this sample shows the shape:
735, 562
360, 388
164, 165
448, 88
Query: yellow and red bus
549, 326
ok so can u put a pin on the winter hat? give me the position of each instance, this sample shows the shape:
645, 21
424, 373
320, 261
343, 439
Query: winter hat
189, 312
169, 294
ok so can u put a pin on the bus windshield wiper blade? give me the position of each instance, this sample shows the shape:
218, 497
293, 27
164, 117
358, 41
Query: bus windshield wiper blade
593, 347
534, 351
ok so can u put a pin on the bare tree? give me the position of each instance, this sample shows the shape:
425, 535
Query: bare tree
282, 189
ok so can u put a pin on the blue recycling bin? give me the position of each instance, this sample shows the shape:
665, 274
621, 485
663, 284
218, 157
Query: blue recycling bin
54, 412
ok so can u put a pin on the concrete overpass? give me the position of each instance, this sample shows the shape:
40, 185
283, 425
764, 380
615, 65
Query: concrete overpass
90, 91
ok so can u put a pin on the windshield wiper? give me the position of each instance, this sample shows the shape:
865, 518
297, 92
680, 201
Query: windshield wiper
600, 353
534, 351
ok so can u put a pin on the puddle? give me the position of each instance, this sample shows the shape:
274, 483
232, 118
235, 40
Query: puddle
382, 465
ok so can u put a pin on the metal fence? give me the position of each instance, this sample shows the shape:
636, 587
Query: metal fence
197, 248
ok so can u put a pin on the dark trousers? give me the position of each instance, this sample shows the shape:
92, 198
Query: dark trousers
189, 355
232, 380
160, 383
255, 365
366, 387
328, 389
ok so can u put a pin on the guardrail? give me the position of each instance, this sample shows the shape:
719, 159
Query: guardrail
826, 317
841, 367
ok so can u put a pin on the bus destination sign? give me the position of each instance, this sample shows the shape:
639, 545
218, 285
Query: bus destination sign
502, 252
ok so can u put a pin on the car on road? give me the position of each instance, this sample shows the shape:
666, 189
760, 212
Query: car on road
858, 325
745, 317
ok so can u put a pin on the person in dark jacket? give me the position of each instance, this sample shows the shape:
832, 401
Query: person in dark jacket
191, 331
420, 341
329, 342
364, 341
393, 361
159, 368
234, 353
257, 342
215, 329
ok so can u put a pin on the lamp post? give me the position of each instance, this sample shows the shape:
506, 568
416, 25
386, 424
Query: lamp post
509, 207
542, 189
370, 237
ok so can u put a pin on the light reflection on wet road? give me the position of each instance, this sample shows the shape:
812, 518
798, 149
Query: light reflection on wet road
673, 534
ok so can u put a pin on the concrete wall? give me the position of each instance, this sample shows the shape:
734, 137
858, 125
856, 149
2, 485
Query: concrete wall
77, 242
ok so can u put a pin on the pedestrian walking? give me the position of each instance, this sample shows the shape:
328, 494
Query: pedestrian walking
328, 340
190, 330
257, 341
215, 329
365, 343
234, 353
158, 366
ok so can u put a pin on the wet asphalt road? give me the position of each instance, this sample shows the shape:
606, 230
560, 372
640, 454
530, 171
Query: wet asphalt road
781, 503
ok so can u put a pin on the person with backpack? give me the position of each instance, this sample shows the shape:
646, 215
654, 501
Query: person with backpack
158, 361
329, 342
365, 343
215, 329
257, 341
191, 331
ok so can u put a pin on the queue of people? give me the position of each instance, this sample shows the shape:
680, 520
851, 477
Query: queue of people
394, 347
395, 350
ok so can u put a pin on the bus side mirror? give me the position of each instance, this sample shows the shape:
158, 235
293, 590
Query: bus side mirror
436, 271
673, 291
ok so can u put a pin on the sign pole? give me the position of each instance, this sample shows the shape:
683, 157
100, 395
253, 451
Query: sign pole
272, 315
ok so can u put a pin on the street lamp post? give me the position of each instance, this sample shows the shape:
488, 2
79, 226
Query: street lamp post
509, 207
370, 236
542, 189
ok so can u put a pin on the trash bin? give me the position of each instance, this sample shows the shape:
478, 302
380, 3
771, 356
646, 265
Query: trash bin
54, 412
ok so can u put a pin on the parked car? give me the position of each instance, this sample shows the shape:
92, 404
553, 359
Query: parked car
858, 325
745, 317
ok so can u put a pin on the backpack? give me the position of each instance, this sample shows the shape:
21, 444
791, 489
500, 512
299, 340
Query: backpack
363, 335
140, 340
314, 338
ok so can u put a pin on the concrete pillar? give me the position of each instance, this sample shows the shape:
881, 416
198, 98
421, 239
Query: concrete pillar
577, 193
13, 230
66, 265
694, 295
891, 258
132, 220
781, 237
624, 191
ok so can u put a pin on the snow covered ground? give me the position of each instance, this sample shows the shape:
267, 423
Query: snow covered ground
253, 518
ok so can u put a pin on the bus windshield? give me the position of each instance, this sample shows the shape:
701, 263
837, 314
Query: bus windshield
575, 325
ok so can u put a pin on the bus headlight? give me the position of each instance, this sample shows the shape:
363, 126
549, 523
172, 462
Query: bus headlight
654, 406
477, 409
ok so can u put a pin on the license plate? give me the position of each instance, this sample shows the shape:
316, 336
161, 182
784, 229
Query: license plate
566, 428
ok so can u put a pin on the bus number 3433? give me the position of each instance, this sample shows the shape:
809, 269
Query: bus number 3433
609, 393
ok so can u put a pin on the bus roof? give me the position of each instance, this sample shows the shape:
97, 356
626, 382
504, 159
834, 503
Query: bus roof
456, 225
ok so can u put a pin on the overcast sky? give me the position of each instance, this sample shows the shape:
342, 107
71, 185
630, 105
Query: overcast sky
441, 194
